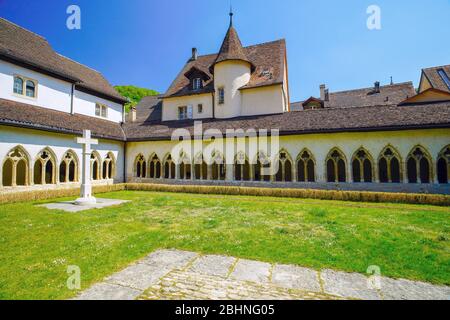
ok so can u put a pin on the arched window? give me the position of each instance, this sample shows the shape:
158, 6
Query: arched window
18, 85
155, 167
218, 170
169, 168
305, 167
108, 167
284, 172
419, 166
389, 166
44, 168
30, 89
15, 168
261, 170
200, 168
336, 166
362, 166
185, 166
140, 167
241, 168
443, 166
95, 166
68, 169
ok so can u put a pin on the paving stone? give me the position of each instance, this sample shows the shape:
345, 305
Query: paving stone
70, 206
294, 277
213, 265
169, 258
108, 291
249, 270
349, 285
138, 276
392, 289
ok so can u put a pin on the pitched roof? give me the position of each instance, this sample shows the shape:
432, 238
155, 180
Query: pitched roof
435, 78
24, 115
20, 46
268, 59
327, 120
388, 95
231, 49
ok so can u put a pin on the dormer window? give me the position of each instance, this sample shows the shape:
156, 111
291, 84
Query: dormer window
444, 77
196, 84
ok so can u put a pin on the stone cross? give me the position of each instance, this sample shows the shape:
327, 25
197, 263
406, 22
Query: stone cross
86, 186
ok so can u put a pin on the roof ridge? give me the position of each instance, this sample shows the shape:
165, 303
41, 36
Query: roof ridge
366, 88
29, 31
436, 67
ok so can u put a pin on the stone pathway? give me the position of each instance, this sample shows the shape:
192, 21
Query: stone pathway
181, 275
70, 206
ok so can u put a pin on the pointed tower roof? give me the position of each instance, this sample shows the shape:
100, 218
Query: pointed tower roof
231, 48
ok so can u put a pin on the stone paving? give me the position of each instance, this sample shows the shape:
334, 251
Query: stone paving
182, 275
70, 206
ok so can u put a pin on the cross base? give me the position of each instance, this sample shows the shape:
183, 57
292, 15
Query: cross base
85, 201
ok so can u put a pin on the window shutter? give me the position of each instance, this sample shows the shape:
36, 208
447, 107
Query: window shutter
190, 111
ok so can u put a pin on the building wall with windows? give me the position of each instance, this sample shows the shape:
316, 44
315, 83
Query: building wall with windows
171, 106
31, 144
85, 103
334, 160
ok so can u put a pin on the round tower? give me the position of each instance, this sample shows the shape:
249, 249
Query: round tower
232, 70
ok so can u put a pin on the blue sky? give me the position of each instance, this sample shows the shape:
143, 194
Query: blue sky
145, 42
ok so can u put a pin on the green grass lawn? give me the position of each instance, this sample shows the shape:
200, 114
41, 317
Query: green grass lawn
37, 245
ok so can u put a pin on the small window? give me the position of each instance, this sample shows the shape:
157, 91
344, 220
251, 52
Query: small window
197, 84
18, 85
444, 77
98, 109
30, 89
200, 108
182, 113
221, 95
104, 111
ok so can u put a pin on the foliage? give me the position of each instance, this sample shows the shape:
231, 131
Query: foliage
134, 94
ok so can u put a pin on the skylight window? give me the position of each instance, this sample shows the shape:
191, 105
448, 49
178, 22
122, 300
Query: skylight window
444, 77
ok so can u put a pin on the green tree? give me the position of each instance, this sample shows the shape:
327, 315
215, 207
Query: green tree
134, 94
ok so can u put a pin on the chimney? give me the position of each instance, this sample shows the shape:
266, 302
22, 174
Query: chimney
132, 115
322, 92
327, 95
194, 54
377, 87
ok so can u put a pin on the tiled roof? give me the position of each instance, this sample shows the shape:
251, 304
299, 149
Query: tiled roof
19, 45
268, 59
25, 115
370, 118
435, 78
231, 49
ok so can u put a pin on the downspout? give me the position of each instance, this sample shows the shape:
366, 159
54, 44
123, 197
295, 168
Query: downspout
213, 105
72, 111
125, 161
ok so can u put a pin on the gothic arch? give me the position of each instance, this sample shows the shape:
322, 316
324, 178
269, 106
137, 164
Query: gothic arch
285, 167
362, 166
443, 165
16, 167
261, 161
45, 169
169, 167
200, 167
242, 169
109, 166
140, 166
155, 166
336, 166
390, 168
185, 166
419, 165
69, 167
218, 168
96, 170
306, 166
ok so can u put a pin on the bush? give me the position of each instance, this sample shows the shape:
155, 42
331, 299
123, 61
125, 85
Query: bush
357, 196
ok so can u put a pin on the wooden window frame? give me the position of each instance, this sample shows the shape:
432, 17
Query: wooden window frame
24, 87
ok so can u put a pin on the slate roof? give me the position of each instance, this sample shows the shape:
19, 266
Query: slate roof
327, 120
268, 59
23, 47
435, 79
24, 115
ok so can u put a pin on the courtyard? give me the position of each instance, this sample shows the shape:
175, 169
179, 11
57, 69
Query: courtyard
404, 241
